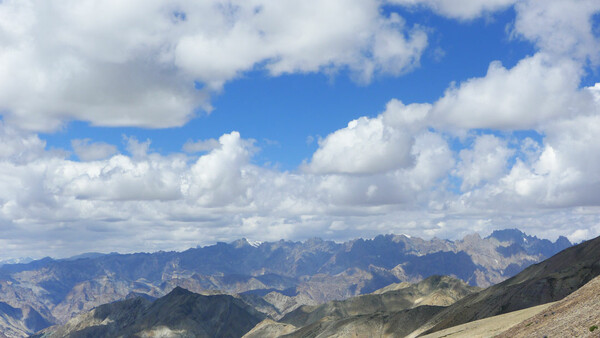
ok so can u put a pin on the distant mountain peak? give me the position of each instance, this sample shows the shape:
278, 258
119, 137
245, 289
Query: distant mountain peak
562, 240
179, 291
242, 242
508, 235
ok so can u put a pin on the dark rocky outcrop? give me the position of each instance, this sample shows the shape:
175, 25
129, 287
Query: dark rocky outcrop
180, 313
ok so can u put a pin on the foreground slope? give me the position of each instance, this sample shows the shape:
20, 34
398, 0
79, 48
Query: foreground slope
181, 313
489, 327
548, 281
574, 316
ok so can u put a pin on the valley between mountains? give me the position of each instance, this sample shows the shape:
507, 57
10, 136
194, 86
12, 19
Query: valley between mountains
392, 285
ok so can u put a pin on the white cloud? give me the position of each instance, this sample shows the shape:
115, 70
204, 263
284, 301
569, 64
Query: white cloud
539, 88
434, 160
562, 28
487, 160
200, 145
18, 147
365, 146
151, 202
562, 174
219, 178
136, 148
174, 201
121, 178
87, 151
459, 9
371, 145
557, 27
135, 64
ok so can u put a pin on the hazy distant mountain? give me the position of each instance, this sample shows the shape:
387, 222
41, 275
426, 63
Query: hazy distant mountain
19, 321
21, 260
180, 313
278, 276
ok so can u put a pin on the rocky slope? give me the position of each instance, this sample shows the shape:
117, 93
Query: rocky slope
378, 324
489, 327
276, 276
17, 322
435, 290
397, 311
548, 281
180, 313
577, 315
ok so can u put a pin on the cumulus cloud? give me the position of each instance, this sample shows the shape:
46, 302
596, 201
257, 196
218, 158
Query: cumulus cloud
218, 178
434, 160
365, 146
559, 174
539, 88
19, 147
139, 64
463, 10
371, 145
487, 160
172, 201
560, 28
136, 148
200, 145
90, 151
176, 201
120, 178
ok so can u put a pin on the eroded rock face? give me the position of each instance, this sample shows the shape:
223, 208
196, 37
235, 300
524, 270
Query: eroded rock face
310, 272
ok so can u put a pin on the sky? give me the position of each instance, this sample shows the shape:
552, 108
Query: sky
147, 125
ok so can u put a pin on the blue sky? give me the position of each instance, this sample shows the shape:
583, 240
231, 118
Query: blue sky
281, 112
144, 126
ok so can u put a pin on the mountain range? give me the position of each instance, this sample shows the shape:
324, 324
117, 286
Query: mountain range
439, 306
274, 277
